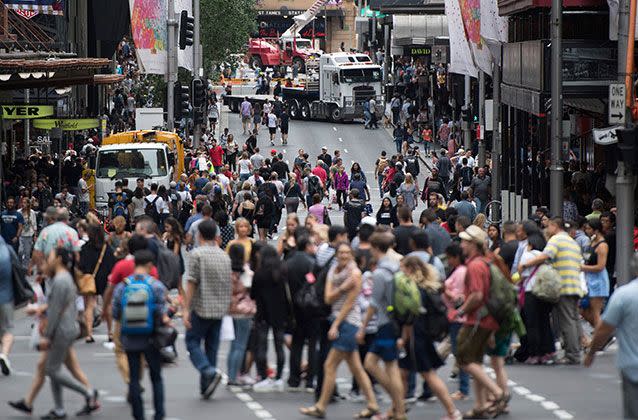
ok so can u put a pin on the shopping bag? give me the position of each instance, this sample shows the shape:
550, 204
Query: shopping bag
228, 330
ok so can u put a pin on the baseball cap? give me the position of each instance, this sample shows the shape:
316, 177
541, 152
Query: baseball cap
173, 184
368, 220
324, 148
273, 152
474, 234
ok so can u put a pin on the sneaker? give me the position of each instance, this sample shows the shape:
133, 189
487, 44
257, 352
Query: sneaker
92, 404
5, 365
354, 396
21, 406
454, 416
211, 385
267, 385
246, 380
53, 415
279, 385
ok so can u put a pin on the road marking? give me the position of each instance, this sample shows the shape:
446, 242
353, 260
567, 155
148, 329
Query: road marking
243, 396
257, 409
535, 398
340, 139
118, 399
254, 405
334, 128
345, 150
284, 150
521, 390
562, 414
550, 405
263, 414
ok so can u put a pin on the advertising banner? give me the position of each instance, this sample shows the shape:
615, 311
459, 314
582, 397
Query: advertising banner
148, 26
25, 112
66, 124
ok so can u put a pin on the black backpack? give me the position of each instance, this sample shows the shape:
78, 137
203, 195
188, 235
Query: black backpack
314, 186
466, 176
151, 209
435, 321
310, 297
411, 165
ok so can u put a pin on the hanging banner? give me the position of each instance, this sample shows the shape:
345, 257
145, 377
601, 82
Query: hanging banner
70, 124
493, 28
471, 15
148, 26
461, 61
26, 8
25, 112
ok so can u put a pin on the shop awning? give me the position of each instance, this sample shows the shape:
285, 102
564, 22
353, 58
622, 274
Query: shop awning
418, 29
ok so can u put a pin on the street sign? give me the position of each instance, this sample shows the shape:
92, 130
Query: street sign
617, 105
605, 136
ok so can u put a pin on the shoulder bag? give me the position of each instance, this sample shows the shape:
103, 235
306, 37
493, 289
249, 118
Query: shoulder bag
86, 281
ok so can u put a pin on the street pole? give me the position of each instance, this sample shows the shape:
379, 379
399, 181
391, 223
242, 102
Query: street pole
197, 64
467, 141
625, 177
387, 55
556, 169
27, 125
496, 132
481, 118
171, 77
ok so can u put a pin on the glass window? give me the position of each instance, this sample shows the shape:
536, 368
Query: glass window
363, 58
131, 163
360, 75
303, 43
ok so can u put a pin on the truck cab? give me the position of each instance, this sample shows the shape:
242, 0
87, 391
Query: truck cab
157, 157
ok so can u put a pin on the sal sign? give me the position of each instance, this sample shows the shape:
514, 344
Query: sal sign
616, 114
22, 112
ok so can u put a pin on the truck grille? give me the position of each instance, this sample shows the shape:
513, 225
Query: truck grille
363, 94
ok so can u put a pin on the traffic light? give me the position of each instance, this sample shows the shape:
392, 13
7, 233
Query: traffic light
186, 30
181, 101
198, 93
465, 114
198, 116
628, 146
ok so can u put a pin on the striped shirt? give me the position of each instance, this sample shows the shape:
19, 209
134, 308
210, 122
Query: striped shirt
566, 258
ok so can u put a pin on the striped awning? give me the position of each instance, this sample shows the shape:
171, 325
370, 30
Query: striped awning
46, 7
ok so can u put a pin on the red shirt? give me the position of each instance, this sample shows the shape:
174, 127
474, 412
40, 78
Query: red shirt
124, 268
321, 173
477, 279
216, 153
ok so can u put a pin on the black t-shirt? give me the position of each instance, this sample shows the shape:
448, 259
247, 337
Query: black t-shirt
508, 252
403, 235
281, 168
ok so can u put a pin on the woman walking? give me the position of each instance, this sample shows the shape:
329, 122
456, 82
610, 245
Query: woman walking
273, 311
342, 288
242, 309
231, 152
61, 332
293, 195
596, 273
409, 191
96, 258
341, 184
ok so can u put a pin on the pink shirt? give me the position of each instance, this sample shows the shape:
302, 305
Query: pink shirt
317, 211
455, 286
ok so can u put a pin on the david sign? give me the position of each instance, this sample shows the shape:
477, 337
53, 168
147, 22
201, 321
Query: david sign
21, 112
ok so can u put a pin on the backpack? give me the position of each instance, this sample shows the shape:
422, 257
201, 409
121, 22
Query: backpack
138, 306
314, 186
119, 209
547, 285
151, 209
411, 165
466, 176
168, 267
501, 300
406, 299
310, 297
383, 163
435, 319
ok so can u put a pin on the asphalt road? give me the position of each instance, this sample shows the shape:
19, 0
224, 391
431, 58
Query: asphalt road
546, 392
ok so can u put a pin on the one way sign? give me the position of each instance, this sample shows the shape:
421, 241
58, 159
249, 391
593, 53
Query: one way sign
617, 104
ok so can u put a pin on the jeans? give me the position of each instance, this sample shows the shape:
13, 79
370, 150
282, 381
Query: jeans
26, 245
238, 346
464, 378
341, 197
261, 355
568, 318
292, 204
380, 182
153, 360
207, 330
307, 329
398, 142
84, 207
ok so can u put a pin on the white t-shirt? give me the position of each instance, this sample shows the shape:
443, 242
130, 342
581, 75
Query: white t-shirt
272, 120
267, 107
84, 196
528, 256
160, 204
244, 166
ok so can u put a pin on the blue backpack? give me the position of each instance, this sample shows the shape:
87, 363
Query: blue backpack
119, 209
138, 307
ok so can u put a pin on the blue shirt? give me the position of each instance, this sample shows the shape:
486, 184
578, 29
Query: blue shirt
192, 220
6, 284
622, 313
10, 220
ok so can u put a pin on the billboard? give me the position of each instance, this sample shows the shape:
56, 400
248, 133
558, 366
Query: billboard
30, 8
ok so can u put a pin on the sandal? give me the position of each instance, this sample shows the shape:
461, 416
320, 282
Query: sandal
458, 396
476, 414
498, 405
313, 411
368, 413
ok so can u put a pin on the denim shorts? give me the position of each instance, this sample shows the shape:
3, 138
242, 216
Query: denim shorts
347, 340
384, 344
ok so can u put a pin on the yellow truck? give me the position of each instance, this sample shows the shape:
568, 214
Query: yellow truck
155, 156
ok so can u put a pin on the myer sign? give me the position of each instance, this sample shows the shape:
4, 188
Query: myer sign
21, 112
71, 124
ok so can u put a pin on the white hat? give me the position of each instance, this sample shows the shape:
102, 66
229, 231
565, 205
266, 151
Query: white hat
369, 220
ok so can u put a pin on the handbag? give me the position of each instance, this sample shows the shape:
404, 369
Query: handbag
22, 290
521, 288
548, 284
86, 281
326, 217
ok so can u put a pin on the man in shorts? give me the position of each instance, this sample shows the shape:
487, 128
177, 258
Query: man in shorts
384, 344
284, 120
246, 115
6, 307
272, 126
477, 330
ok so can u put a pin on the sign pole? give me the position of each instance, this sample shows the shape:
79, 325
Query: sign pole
556, 168
27, 125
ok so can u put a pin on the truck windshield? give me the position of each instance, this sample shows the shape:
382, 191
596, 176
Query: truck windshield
360, 75
303, 43
145, 163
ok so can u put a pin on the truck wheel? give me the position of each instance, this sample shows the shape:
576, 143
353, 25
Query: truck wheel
335, 114
305, 110
255, 62
301, 63
294, 110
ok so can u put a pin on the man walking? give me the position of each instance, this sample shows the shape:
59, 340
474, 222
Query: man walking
6, 307
208, 296
246, 115
620, 318
11, 223
481, 188
565, 256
